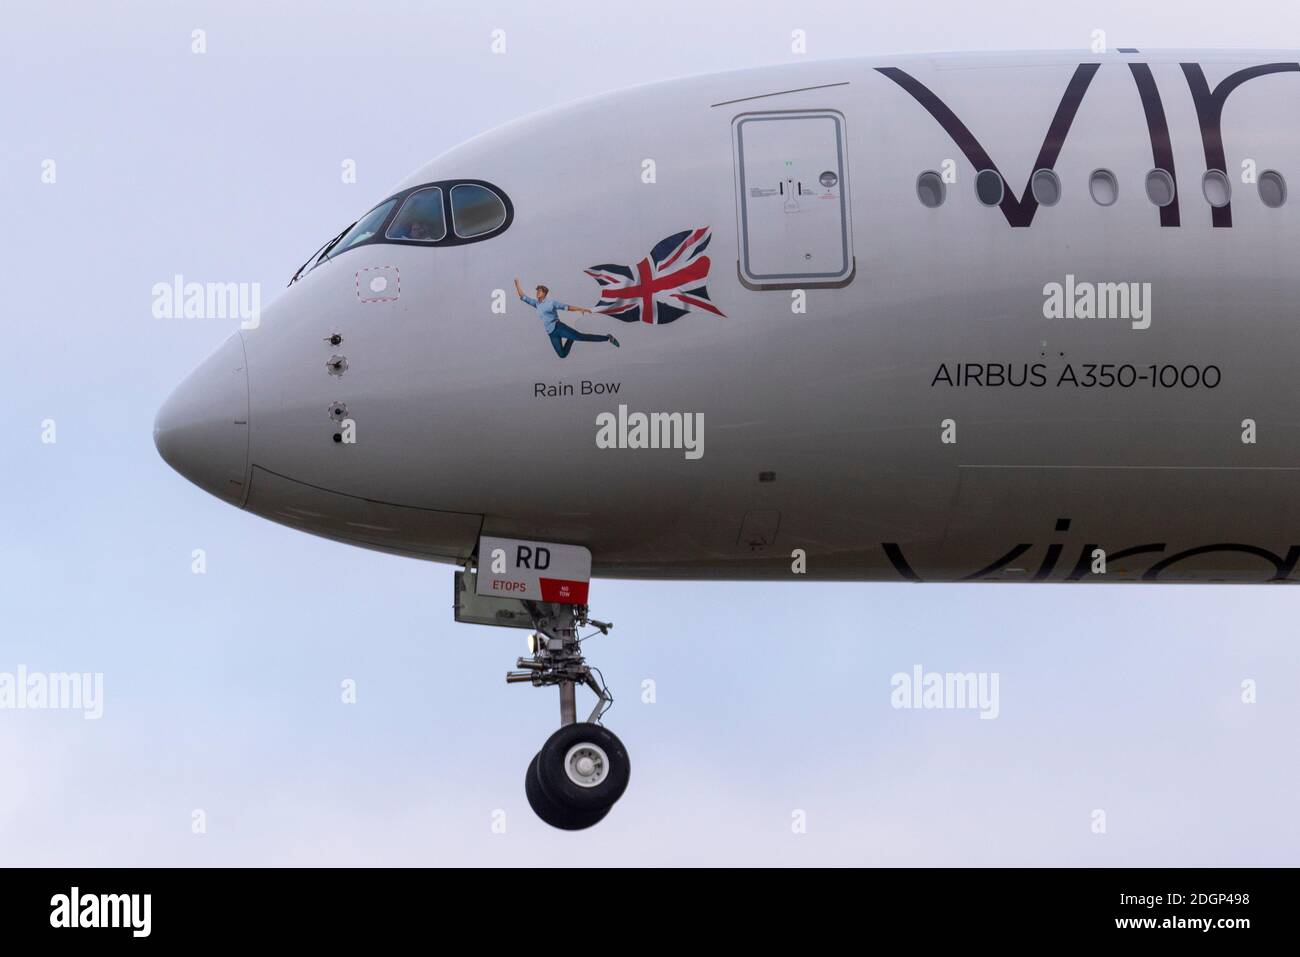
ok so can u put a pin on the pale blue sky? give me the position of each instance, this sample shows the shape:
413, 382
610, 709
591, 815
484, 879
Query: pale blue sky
222, 690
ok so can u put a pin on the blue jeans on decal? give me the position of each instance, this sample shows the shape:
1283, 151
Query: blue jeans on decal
563, 332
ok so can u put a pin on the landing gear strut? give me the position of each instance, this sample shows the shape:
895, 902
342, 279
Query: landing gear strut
583, 767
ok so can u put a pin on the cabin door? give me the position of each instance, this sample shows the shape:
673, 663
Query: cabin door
793, 199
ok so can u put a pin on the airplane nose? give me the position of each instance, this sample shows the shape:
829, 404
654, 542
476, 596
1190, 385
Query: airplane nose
202, 429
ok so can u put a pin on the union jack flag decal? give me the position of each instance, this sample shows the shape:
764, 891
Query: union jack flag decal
664, 286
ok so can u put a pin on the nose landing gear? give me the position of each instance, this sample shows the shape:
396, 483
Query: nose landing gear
583, 767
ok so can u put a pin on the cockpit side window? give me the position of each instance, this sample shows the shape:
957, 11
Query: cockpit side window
475, 210
421, 219
365, 228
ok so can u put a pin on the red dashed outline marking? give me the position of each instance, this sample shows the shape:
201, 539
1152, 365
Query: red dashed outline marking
392, 298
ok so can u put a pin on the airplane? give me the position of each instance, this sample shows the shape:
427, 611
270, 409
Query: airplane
962, 317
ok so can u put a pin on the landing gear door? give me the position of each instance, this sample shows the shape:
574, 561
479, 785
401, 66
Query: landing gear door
471, 608
533, 571
793, 199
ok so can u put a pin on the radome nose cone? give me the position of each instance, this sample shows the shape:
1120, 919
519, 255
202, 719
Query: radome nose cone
202, 429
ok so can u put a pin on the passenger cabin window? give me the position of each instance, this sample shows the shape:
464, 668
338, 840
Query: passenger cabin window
421, 218
1217, 188
989, 187
475, 210
1272, 188
1160, 187
930, 189
1104, 187
1046, 186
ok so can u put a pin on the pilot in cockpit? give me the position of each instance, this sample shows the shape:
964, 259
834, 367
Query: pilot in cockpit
416, 230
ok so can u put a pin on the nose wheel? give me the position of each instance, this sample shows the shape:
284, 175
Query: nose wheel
583, 768
577, 776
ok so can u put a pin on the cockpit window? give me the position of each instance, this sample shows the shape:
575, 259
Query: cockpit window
364, 228
478, 212
475, 210
421, 219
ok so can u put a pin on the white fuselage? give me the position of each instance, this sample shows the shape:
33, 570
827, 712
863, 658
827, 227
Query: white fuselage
899, 391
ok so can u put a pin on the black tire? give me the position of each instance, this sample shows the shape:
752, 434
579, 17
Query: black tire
566, 819
616, 769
